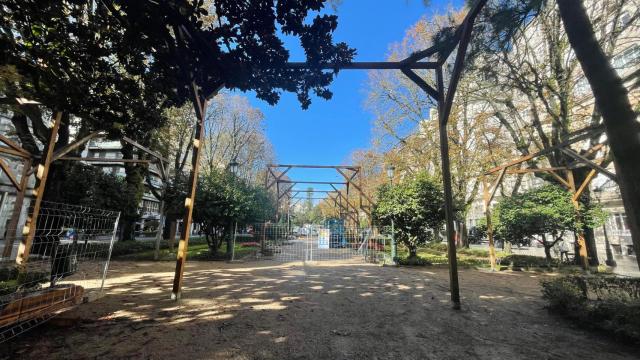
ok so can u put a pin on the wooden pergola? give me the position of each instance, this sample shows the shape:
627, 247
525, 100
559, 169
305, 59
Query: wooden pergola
41, 171
276, 175
417, 61
562, 174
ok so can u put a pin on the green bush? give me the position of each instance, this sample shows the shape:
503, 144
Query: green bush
564, 293
438, 246
524, 261
11, 279
606, 303
123, 248
412, 261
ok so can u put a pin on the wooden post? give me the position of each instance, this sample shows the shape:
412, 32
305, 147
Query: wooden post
42, 172
582, 244
487, 214
17, 210
200, 105
448, 194
156, 252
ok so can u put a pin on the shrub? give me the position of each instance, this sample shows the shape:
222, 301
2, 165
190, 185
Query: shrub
11, 279
438, 246
524, 261
412, 261
605, 303
564, 293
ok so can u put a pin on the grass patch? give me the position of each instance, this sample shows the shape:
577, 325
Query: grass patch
198, 250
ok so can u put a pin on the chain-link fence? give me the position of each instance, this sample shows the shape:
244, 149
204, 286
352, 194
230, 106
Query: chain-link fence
67, 264
312, 243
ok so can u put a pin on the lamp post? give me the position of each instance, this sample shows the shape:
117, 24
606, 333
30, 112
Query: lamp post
394, 247
607, 245
233, 167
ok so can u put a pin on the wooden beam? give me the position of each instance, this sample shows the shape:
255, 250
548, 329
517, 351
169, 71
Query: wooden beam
366, 65
578, 137
356, 186
107, 160
311, 182
67, 149
349, 167
10, 174
559, 178
13, 152
497, 184
17, 210
454, 285
421, 83
145, 149
584, 184
590, 164
535, 170
32, 221
17, 148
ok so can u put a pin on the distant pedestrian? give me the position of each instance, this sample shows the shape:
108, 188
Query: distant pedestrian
564, 249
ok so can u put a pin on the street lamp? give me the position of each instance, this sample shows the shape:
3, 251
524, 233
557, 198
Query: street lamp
233, 167
394, 247
390, 172
598, 191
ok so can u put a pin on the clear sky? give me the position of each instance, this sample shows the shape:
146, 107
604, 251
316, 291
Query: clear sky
329, 131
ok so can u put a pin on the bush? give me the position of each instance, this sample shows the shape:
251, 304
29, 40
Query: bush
438, 246
564, 293
524, 261
605, 303
11, 279
412, 261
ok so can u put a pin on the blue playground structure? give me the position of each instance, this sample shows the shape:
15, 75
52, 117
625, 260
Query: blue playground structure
337, 229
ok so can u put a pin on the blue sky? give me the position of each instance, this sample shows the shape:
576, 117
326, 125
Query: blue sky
329, 131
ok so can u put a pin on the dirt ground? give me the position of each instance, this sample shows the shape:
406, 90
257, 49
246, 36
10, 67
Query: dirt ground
329, 310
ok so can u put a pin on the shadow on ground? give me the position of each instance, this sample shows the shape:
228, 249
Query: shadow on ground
324, 311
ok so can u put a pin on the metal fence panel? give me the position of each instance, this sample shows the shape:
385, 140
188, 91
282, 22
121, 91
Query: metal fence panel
67, 264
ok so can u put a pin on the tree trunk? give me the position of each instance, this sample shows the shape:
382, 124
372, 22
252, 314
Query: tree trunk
612, 99
229, 238
173, 226
547, 252
547, 248
579, 175
413, 251
464, 235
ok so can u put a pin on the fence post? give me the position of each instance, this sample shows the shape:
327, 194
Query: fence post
113, 239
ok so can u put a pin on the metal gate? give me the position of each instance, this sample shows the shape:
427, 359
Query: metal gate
312, 243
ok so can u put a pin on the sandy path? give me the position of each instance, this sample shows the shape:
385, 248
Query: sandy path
324, 311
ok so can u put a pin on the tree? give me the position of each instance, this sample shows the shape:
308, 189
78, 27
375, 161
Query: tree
223, 200
547, 210
620, 120
406, 126
535, 87
236, 132
416, 207
116, 65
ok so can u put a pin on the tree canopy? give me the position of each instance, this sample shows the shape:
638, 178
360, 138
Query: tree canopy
416, 208
548, 209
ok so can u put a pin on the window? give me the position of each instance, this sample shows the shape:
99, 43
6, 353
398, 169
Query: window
149, 206
618, 221
582, 86
628, 57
